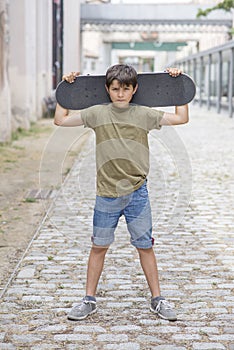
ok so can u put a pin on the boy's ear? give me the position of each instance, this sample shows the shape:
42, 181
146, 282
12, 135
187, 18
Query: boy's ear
135, 89
107, 89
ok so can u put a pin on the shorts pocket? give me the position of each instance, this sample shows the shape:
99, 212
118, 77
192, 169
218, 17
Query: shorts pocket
142, 191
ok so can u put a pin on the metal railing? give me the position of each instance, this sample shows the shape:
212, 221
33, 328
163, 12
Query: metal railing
213, 72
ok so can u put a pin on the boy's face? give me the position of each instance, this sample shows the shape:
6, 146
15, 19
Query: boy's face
121, 94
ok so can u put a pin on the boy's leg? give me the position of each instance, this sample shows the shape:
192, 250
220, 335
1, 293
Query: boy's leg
95, 267
158, 304
105, 220
149, 266
139, 221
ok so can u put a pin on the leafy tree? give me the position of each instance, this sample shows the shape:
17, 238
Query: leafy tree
226, 5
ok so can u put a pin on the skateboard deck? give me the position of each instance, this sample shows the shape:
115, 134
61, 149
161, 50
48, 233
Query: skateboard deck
154, 90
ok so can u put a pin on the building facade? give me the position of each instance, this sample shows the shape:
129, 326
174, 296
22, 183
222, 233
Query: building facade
33, 56
42, 39
148, 35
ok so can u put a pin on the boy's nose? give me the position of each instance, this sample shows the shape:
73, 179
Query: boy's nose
120, 92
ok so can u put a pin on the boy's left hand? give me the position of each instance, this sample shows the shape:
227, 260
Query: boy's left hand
174, 72
70, 77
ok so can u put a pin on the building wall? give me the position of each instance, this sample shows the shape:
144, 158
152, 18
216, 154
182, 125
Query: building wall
26, 47
30, 58
97, 44
122, 21
5, 113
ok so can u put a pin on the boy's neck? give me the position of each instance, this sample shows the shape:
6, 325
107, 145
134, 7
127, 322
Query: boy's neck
121, 105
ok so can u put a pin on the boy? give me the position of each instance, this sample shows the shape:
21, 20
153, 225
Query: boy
122, 157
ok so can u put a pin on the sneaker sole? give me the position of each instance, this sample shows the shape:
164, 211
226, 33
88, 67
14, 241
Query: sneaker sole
74, 318
165, 318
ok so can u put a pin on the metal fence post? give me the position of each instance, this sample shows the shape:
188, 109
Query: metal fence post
219, 82
230, 85
195, 69
201, 79
209, 81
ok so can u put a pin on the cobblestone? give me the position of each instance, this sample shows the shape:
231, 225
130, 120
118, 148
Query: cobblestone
191, 190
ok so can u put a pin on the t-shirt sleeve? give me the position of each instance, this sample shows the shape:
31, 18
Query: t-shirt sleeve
154, 117
89, 116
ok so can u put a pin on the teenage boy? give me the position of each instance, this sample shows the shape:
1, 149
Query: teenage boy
122, 157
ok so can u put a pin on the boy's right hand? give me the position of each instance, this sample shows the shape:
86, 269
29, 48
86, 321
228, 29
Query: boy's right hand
70, 77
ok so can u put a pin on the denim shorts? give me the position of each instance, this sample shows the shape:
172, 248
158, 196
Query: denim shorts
137, 212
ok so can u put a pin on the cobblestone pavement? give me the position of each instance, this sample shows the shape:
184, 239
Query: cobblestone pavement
191, 189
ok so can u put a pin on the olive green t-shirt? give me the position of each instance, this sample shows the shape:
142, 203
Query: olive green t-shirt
122, 151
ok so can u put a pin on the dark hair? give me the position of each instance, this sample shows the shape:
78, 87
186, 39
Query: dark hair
126, 75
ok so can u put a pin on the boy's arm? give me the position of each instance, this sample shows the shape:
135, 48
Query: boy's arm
181, 115
61, 117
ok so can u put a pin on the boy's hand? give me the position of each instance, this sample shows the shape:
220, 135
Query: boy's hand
174, 72
70, 78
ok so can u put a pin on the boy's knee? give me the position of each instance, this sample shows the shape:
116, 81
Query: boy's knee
144, 250
99, 249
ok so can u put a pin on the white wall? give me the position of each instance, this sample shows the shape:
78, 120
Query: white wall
5, 112
29, 66
30, 58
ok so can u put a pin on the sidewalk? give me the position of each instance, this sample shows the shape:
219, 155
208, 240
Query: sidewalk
191, 190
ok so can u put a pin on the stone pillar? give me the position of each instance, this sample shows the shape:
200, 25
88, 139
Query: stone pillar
105, 57
71, 39
5, 105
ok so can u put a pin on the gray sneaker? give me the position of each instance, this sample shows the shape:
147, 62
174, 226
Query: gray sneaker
84, 309
161, 307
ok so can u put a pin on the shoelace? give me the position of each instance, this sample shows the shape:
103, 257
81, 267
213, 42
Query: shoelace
80, 307
89, 301
165, 304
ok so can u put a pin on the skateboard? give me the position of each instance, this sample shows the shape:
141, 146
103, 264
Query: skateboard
154, 90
